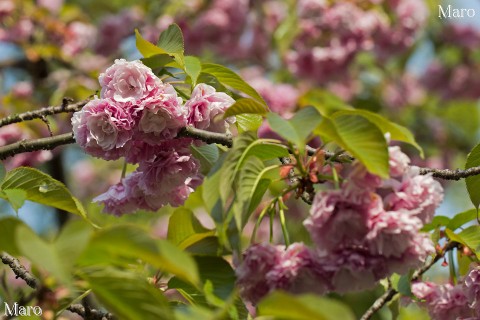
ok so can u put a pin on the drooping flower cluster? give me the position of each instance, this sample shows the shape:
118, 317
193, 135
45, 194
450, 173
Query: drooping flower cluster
447, 301
137, 117
363, 232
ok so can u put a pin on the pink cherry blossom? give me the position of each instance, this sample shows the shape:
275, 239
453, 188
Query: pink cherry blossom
161, 116
258, 260
443, 302
471, 285
80, 36
206, 107
103, 127
128, 81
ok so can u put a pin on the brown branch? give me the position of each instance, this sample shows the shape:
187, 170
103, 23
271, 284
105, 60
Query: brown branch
22, 273
207, 136
391, 292
448, 174
90, 314
19, 270
66, 107
48, 143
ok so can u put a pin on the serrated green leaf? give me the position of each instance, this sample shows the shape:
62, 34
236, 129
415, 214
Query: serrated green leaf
245, 105
397, 132
193, 68
324, 101
159, 61
128, 296
171, 39
305, 121
248, 122
266, 150
42, 188
284, 128
230, 79
473, 182
281, 305
16, 198
361, 138
184, 229
437, 222
469, 237
404, 286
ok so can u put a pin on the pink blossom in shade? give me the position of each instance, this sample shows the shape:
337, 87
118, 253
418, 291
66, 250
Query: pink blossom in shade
471, 286
298, 271
128, 81
443, 302
161, 116
393, 233
360, 179
20, 32
124, 197
206, 107
419, 193
79, 36
103, 127
22, 90
6, 8
398, 161
258, 260
403, 91
339, 218
461, 35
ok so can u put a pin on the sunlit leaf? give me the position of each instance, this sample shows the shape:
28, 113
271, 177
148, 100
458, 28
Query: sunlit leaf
473, 182
245, 105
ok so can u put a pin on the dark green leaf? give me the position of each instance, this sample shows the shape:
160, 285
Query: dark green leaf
8, 240
437, 222
404, 286
281, 305
245, 105
3, 172
305, 121
207, 155
159, 61
473, 182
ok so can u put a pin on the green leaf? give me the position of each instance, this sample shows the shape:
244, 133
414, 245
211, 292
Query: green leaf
213, 269
16, 198
404, 286
3, 172
284, 128
42, 254
73, 240
245, 105
461, 218
193, 68
229, 78
469, 237
248, 122
171, 39
361, 138
397, 132
324, 101
42, 188
305, 121
473, 182
437, 222
184, 229
207, 155
146, 48
126, 243
128, 296
160, 61
8, 240
266, 150
281, 305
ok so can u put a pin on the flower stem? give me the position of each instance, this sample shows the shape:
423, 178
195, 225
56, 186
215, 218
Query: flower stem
286, 237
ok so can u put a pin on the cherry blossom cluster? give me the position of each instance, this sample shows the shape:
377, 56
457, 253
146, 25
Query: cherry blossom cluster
326, 46
138, 117
362, 232
447, 301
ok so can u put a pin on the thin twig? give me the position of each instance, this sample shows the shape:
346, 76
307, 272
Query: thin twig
48, 143
207, 136
448, 174
22, 273
391, 292
66, 107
